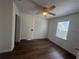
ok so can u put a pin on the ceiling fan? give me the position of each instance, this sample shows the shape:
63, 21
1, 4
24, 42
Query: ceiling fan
45, 10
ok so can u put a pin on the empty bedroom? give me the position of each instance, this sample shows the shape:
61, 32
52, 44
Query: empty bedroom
39, 29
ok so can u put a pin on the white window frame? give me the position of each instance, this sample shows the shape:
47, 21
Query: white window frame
62, 30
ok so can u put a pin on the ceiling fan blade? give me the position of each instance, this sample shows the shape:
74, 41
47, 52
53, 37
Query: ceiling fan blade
52, 13
52, 7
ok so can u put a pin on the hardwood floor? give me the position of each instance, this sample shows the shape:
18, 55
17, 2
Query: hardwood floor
37, 49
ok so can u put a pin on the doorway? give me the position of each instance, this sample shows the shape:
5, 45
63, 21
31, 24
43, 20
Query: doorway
17, 28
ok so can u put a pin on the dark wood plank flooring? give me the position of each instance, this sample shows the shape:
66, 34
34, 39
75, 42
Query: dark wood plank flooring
37, 49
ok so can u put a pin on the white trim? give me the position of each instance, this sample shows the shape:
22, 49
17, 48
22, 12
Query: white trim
60, 46
5, 51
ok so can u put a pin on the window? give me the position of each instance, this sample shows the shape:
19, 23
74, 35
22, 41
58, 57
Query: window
62, 30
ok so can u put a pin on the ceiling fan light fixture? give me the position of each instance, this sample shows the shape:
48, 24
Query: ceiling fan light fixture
45, 13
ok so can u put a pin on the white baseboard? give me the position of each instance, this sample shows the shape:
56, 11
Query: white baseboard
61, 46
5, 51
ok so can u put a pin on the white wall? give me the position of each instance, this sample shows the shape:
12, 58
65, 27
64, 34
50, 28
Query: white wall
6, 26
72, 41
37, 23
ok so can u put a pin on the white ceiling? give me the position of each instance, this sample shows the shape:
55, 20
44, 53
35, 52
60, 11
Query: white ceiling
63, 7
